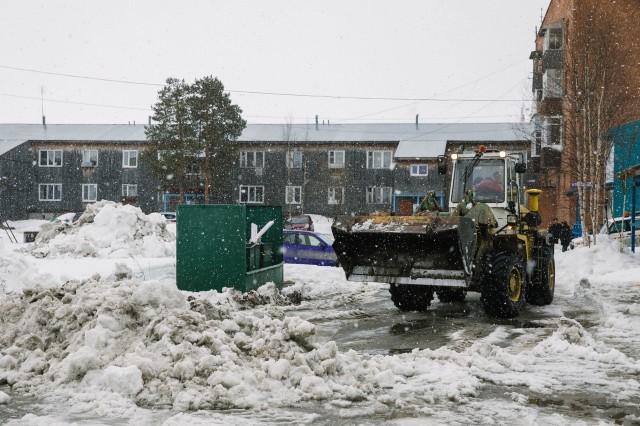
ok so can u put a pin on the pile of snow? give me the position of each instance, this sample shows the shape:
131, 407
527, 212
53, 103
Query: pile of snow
18, 272
106, 230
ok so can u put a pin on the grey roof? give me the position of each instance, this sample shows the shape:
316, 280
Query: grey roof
388, 132
420, 149
12, 135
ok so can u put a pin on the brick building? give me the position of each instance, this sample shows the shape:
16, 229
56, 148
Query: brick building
607, 34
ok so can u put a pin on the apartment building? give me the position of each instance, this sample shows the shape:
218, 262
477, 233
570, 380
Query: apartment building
324, 169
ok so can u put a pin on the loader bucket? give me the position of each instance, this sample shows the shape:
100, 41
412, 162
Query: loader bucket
424, 250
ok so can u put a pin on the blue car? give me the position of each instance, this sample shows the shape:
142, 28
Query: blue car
308, 248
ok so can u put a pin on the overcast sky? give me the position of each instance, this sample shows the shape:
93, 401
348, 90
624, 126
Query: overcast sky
347, 61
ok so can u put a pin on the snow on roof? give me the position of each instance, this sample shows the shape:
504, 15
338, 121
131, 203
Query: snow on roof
300, 133
420, 149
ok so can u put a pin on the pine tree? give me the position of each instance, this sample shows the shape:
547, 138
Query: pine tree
218, 124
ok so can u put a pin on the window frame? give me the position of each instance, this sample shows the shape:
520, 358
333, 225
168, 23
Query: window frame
556, 41
417, 173
554, 122
126, 155
332, 200
253, 164
292, 161
552, 83
331, 159
297, 194
128, 186
84, 155
382, 160
48, 158
87, 187
52, 185
377, 194
249, 188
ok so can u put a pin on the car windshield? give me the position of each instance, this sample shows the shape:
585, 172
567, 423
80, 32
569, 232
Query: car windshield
301, 219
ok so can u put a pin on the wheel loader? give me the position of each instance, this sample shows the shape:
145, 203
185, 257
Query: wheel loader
486, 241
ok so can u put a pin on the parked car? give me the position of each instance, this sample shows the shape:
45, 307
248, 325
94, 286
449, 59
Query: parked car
618, 229
309, 248
69, 218
302, 221
170, 216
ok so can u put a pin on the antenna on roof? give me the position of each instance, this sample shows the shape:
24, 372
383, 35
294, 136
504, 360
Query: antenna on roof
44, 120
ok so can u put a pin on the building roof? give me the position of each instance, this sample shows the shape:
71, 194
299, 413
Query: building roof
413, 150
12, 135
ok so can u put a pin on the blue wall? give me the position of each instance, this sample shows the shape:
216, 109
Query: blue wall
626, 154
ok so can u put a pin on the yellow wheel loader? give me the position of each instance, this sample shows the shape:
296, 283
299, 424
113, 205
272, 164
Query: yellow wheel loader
486, 242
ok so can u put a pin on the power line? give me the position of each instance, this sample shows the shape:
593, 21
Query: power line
303, 95
74, 103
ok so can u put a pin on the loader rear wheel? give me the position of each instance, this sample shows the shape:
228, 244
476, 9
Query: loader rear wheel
450, 295
543, 283
504, 285
411, 297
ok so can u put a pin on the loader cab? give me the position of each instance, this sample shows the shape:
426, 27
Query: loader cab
494, 177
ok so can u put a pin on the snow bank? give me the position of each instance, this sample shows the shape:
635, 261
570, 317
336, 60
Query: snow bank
106, 230
18, 272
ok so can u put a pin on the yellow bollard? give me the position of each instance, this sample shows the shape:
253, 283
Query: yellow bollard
533, 199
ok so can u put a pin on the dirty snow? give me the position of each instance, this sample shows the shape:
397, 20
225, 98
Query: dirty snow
121, 343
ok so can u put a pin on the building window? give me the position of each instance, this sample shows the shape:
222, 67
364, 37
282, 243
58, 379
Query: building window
538, 142
419, 170
336, 159
50, 191
251, 194
129, 190
552, 83
554, 38
252, 159
379, 159
89, 158
192, 169
293, 195
336, 195
89, 192
294, 160
130, 158
378, 195
50, 158
554, 131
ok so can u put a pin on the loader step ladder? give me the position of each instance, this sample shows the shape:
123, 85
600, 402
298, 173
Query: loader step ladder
5, 225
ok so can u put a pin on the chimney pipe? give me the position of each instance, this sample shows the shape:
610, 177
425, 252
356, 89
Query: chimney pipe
417, 115
149, 120
316, 122
44, 120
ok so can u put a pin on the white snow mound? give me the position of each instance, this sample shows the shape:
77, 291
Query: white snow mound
106, 230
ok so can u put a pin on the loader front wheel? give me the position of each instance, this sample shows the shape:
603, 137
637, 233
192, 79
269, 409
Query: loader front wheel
503, 285
544, 279
411, 297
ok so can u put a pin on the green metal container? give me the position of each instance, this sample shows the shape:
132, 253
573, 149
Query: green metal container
213, 249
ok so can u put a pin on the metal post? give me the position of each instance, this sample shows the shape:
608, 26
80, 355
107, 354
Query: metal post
633, 213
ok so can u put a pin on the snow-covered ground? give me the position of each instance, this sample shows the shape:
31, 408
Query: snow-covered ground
94, 331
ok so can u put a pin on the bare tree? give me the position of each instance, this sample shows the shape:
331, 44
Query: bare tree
596, 93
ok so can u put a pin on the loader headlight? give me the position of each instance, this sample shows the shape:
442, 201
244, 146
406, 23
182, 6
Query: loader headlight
512, 220
454, 156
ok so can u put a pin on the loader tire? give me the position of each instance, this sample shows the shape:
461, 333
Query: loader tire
503, 285
450, 295
543, 283
411, 297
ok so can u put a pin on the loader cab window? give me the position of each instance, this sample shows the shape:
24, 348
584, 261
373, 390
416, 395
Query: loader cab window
487, 180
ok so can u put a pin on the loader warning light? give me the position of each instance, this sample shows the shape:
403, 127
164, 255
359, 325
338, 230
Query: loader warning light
482, 149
